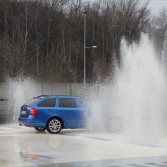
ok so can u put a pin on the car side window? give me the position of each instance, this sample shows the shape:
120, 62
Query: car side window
67, 102
51, 102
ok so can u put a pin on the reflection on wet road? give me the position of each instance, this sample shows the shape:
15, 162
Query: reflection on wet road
21, 146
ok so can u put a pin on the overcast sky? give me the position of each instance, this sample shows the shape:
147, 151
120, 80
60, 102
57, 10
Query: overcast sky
156, 5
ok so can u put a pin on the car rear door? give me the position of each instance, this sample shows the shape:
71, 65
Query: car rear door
45, 109
70, 112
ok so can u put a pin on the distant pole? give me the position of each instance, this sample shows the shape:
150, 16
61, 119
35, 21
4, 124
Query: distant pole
85, 14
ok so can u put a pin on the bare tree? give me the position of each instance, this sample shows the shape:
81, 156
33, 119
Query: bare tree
44, 38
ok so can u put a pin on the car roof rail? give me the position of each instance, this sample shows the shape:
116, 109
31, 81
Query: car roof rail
54, 95
40, 96
65, 95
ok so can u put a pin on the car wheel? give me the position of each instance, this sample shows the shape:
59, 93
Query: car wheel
115, 125
54, 125
40, 129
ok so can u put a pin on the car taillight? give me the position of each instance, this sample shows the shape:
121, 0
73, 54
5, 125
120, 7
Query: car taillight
33, 111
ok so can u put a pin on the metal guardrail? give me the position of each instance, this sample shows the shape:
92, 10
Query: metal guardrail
5, 115
4, 104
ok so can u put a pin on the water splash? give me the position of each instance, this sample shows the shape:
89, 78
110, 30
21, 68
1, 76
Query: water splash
19, 91
142, 85
138, 95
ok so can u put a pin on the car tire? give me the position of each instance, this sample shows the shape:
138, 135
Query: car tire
54, 125
39, 129
115, 125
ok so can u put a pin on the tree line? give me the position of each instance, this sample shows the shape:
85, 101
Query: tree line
44, 39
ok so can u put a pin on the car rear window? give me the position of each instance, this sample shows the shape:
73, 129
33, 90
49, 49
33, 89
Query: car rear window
67, 102
31, 102
51, 102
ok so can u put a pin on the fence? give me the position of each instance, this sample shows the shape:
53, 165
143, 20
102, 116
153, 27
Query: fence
35, 89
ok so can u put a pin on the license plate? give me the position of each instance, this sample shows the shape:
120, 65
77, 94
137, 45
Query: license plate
23, 112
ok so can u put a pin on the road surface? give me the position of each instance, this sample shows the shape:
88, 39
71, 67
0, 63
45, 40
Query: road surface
24, 147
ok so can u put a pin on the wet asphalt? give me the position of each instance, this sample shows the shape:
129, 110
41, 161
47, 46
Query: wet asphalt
21, 146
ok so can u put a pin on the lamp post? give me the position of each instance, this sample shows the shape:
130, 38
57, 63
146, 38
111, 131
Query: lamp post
85, 14
85, 47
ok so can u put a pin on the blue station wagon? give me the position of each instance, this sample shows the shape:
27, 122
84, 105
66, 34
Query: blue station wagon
52, 113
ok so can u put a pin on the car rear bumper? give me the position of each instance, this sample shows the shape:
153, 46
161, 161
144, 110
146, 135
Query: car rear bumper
30, 122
